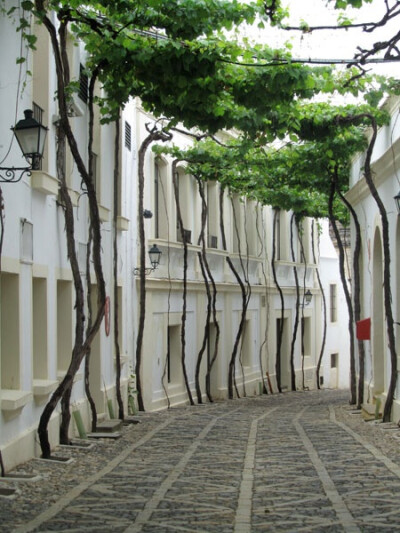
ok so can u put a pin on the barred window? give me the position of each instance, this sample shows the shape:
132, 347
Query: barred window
128, 136
333, 302
83, 85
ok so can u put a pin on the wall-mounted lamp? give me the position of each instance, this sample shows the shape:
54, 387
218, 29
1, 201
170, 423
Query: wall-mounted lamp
307, 297
147, 213
397, 200
154, 254
31, 136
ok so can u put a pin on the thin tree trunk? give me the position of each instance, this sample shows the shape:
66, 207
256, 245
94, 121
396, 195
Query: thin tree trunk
206, 334
321, 288
154, 135
297, 315
280, 330
304, 260
353, 392
89, 325
168, 354
386, 274
184, 295
201, 255
247, 294
81, 345
357, 297
232, 362
115, 272
261, 238
211, 360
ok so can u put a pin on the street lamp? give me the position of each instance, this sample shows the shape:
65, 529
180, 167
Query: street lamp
397, 200
31, 136
154, 254
308, 297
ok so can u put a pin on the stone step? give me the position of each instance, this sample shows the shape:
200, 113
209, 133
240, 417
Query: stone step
369, 411
105, 435
110, 426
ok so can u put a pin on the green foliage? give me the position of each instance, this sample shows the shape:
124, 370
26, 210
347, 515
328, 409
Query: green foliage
175, 55
343, 4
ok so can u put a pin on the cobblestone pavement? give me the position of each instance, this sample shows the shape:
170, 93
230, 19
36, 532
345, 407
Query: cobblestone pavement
301, 461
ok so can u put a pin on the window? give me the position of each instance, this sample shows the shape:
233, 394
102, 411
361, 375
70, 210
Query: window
83, 92
246, 351
39, 328
156, 200
306, 335
212, 214
9, 339
161, 201
334, 360
333, 302
174, 368
64, 324
128, 136
96, 183
277, 228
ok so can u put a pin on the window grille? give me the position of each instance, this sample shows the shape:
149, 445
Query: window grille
37, 113
83, 85
128, 136
333, 302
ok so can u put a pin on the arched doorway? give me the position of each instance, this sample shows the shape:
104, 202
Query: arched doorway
378, 317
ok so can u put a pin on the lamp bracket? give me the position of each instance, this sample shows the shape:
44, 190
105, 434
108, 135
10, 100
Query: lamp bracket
147, 270
10, 174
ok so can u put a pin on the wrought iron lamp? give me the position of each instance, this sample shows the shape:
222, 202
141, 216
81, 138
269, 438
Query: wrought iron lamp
31, 136
154, 254
397, 200
308, 297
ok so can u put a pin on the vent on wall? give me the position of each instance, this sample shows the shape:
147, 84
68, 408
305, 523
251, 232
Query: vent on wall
128, 136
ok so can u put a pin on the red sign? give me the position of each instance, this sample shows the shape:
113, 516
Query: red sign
363, 329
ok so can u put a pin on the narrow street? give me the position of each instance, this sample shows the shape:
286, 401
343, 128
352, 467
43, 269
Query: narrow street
288, 462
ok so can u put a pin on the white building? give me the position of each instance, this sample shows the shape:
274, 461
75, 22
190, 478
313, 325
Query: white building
37, 291
385, 175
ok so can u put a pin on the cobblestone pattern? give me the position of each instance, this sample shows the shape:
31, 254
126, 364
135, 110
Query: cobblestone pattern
290, 462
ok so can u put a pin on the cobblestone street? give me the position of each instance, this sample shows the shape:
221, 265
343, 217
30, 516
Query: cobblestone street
290, 462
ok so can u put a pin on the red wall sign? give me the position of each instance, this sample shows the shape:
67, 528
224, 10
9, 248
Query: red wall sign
363, 329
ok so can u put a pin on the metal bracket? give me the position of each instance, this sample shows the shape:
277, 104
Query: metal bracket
10, 174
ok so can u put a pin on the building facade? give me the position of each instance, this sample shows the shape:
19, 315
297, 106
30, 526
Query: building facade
385, 174
37, 324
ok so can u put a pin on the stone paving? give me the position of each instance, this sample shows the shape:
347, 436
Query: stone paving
287, 462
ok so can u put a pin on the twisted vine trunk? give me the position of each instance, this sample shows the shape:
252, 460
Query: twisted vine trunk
77, 354
304, 260
154, 135
184, 295
321, 288
386, 272
353, 392
281, 324
297, 315
261, 239
88, 393
232, 362
115, 272
210, 279
202, 258
357, 297
81, 343
247, 294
